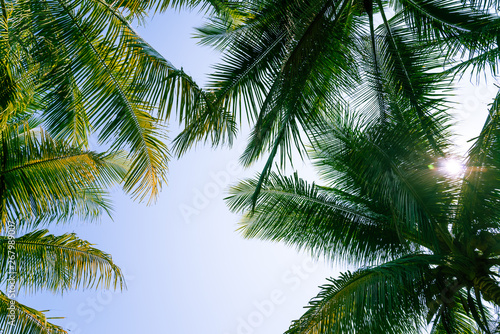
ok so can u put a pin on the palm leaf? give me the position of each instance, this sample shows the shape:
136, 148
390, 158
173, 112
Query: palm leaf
316, 219
383, 299
57, 263
27, 320
480, 189
387, 164
43, 179
97, 75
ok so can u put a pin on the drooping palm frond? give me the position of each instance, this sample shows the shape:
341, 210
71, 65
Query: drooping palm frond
46, 180
454, 318
310, 74
383, 299
415, 91
478, 209
94, 74
465, 29
209, 123
316, 219
57, 263
26, 319
400, 80
287, 63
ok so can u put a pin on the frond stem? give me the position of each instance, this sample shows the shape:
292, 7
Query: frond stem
419, 111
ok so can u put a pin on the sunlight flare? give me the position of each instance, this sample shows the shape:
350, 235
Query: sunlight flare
453, 167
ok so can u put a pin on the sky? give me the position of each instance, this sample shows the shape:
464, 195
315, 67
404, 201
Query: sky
187, 268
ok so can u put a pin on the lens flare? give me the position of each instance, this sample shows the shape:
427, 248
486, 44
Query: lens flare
453, 167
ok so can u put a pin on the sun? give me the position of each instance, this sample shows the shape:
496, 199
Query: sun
453, 167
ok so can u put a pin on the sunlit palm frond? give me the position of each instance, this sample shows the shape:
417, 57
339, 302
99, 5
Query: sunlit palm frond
409, 71
454, 318
57, 263
44, 179
478, 209
387, 164
26, 319
464, 29
96, 75
383, 299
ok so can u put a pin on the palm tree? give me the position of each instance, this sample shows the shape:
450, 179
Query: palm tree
53, 263
78, 69
286, 62
427, 243
43, 180
82, 68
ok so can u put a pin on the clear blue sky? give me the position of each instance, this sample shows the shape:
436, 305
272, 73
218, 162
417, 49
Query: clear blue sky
187, 269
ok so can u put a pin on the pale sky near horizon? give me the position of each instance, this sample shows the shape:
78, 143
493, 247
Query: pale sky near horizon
188, 271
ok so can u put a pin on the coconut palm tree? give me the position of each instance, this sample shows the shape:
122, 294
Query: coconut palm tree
427, 243
78, 69
87, 73
46, 262
285, 62
43, 180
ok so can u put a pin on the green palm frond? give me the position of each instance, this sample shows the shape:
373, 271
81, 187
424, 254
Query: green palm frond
441, 19
387, 164
27, 320
383, 299
464, 29
45, 180
57, 263
208, 123
316, 219
281, 55
94, 74
408, 68
306, 79
478, 209
455, 319
209, 6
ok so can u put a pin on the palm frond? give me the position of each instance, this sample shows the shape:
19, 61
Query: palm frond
57, 263
479, 195
387, 164
316, 219
43, 179
26, 319
408, 69
383, 299
95, 74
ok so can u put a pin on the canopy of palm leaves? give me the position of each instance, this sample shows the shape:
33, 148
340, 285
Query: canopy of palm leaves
43, 180
82, 68
428, 245
286, 62
371, 101
79, 69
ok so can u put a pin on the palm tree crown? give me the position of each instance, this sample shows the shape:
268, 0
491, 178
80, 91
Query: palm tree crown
428, 244
372, 103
